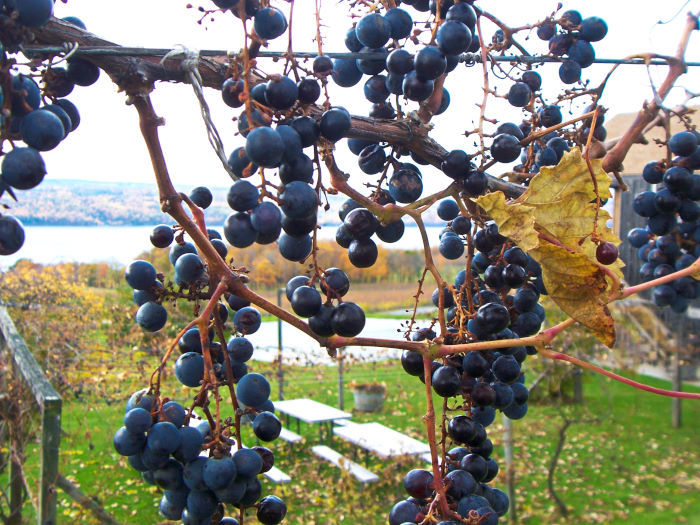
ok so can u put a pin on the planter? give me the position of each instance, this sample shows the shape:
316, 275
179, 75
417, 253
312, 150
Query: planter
369, 399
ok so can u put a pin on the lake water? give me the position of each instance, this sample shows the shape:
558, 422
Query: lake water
119, 245
300, 349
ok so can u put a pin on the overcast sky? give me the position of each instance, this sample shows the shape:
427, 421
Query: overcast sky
108, 145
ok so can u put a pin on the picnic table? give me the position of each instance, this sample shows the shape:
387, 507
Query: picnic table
382, 440
311, 412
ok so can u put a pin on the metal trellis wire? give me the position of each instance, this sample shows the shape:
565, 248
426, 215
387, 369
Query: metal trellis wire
465, 57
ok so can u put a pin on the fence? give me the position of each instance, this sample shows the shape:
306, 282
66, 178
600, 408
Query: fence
50, 405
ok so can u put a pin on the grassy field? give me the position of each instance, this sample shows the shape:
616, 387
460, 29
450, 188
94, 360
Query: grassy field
629, 468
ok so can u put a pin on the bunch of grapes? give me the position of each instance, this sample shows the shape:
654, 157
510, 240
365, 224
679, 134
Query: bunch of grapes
479, 308
571, 36
287, 133
197, 470
671, 239
40, 117
199, 467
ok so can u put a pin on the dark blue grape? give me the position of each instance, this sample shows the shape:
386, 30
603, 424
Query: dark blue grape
666, 202
306, 301
151, 316
593, 29
281, 92
461, 484
345, 72
26, 93
505, 148
248, 462
264, 147
429, 63
271, 510
519, 94
462, 12
218, 473
253, 390
643, 204
247, 320
163, 438
570, 71
653, 172
240, 164
190, 444
400, 21
128, 443
582, 53
175, 413
231, 91
399, 62
189, 369
269, 23
404, 512
373, 30
82, 72
23, 168
453, 37
415, 88
322, 66
266, 426
546, 31
405, 185
683, 143
201, 503
348, 319
515, 411
549, 116
42, 130
189, 269
240, 349
295, 248
169, 477
309, 90
446, 381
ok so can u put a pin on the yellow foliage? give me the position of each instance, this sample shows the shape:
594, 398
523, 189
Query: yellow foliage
553, 221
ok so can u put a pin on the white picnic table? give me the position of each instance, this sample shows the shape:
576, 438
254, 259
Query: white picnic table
312, 412
382, 440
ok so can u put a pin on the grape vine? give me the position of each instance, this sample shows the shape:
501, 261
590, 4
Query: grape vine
538, 228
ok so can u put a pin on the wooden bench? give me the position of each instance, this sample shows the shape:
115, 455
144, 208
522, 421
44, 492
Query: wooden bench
358, 471
277, 476
289, 436
343, 422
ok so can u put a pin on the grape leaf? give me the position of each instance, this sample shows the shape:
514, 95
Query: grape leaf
552, 221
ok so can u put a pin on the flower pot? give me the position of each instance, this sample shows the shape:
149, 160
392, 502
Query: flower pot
368, 400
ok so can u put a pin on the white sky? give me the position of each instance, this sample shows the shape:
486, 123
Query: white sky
108, 145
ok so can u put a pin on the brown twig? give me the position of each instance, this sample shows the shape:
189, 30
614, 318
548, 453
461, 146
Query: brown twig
612, 162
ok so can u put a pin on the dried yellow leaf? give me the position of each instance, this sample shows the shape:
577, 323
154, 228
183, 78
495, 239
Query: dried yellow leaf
553, 221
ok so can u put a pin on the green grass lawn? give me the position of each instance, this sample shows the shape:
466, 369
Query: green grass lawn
629, 468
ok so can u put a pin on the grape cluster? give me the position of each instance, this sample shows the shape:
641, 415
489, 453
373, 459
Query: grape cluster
571, 36
671, 239
195, 482
41, 127
199, 468
162, 442
412, 76
480, 309
346, 318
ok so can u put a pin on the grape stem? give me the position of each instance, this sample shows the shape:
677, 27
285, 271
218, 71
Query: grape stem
613, 159
641, 386
430, 427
